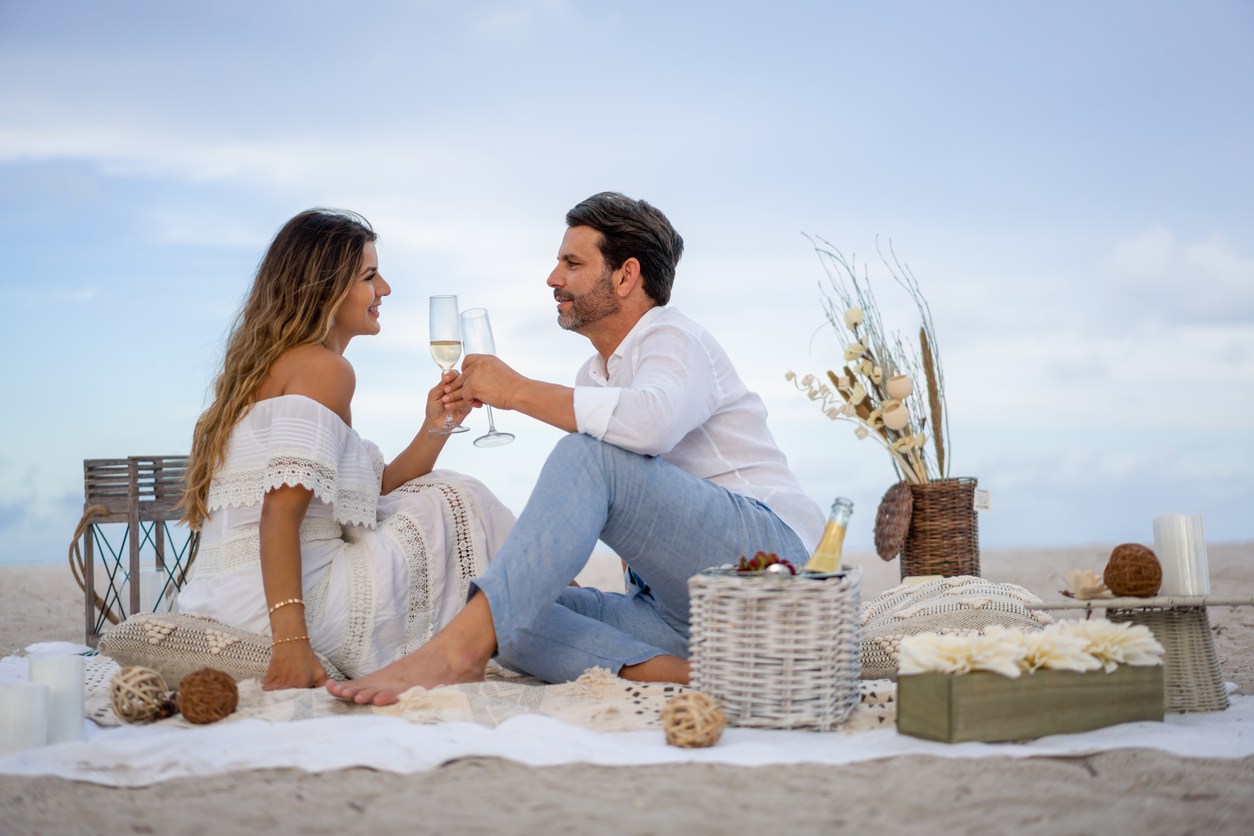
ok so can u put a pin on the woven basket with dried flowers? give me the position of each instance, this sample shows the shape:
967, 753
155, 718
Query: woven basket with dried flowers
937, 532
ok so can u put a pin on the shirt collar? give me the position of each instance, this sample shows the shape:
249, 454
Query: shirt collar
602, 371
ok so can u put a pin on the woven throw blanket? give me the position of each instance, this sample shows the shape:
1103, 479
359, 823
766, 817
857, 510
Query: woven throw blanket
598, 700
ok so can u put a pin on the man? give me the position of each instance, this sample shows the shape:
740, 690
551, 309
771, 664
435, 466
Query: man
669, 462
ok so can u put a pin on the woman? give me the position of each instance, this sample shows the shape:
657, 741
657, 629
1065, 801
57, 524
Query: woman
305, 534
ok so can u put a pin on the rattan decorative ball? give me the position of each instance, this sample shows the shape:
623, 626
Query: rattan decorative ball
207, 695
1133, 570
138, 695
693, 720
892, 521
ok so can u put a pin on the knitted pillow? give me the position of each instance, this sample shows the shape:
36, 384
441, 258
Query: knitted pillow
963, 605
175, 644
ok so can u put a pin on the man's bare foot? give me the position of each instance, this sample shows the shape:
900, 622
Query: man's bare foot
458, 653
427, 666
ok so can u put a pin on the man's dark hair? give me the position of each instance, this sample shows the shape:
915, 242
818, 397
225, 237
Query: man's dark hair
633, 229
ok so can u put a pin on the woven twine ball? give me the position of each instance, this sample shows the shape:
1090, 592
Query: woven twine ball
1133, 570
207, 695
138, 695
693, 720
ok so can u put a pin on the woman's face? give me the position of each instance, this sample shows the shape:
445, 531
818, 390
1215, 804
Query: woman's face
358, 315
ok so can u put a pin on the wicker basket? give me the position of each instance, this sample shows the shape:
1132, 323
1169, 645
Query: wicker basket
1192, 680
777, 653
944, 534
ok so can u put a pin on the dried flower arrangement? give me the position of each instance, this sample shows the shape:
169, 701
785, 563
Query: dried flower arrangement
876, 389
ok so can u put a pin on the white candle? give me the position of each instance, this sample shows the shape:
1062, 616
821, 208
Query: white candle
1180, 546
23, 717
64, 677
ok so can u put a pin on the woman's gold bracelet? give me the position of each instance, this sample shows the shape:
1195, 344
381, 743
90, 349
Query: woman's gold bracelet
285, 603
292, 639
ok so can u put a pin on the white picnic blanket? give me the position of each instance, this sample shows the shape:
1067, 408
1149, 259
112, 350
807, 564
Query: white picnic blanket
132, 756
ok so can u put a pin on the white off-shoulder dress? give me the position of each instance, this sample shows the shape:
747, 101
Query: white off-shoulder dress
380, 574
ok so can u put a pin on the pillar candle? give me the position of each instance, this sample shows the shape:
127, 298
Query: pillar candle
23, 717
1181, 549
64, 677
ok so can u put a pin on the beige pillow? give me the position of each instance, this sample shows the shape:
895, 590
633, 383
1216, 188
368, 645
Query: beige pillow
960, 604
174, 645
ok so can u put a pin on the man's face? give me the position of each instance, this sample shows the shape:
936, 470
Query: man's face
582, 282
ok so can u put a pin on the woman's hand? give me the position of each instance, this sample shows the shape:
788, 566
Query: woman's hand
450, 386
293, 665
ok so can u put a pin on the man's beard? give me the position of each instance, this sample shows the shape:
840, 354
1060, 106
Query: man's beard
593, 306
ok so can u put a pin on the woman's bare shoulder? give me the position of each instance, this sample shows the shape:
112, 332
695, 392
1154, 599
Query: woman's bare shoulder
315, 372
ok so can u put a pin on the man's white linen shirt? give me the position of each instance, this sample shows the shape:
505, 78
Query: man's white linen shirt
670, 390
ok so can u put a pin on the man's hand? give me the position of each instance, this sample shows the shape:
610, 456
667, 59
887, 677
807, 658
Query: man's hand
485, 379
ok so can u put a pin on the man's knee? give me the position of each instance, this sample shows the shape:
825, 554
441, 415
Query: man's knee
583, 447
578, 445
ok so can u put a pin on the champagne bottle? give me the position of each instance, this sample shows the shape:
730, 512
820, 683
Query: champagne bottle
826, 557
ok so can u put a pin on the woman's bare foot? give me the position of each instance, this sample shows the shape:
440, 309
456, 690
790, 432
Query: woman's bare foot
458, 653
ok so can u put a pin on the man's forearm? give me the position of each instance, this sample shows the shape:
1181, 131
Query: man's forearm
547, 402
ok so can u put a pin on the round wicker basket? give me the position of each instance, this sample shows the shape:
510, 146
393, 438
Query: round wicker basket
777, 652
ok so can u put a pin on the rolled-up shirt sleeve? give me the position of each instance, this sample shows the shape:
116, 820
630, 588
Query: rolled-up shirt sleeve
673, 391
593, 407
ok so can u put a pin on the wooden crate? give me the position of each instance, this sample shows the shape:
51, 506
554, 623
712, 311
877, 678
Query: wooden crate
988, 706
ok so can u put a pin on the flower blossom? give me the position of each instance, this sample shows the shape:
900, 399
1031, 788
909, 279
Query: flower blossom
1116, 643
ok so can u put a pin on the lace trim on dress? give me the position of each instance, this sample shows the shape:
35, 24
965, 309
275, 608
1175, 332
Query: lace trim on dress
376, 460
353, 656
316, 600
240, 551
458, 519
408, 535
245, 486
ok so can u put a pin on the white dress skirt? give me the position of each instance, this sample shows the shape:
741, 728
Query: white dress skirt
380, 574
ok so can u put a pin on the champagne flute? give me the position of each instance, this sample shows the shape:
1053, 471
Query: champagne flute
477, 331
446, 347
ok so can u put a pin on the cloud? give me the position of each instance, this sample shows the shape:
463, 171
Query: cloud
77, 297
1206, 282
517, 21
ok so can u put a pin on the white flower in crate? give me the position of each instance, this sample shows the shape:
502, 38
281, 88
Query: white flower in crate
1054, 649
1116, 643
854, 317
857, 394
853, 351
998, 650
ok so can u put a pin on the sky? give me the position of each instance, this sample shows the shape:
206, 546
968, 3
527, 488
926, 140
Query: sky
1069, 182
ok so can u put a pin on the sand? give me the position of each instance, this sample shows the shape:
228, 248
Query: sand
1132, 791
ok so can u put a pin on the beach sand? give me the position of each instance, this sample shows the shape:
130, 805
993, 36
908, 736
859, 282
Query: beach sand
1131, 791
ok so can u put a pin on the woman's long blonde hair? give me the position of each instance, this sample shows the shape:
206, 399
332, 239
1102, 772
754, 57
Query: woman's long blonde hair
305, 276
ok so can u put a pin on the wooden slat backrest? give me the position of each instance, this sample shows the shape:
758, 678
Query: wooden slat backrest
154, 483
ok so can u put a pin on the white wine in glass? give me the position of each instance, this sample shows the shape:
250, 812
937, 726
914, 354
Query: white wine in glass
446, 348
477, 331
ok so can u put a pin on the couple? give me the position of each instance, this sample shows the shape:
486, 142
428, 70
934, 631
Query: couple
403, 575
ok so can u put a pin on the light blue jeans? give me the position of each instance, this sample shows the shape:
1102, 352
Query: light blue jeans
665, 523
